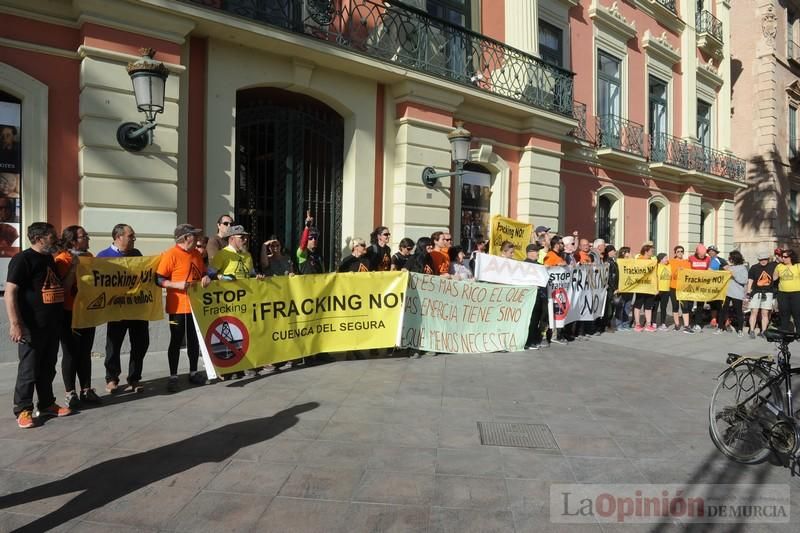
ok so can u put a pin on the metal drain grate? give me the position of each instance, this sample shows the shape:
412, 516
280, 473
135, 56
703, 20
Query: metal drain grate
517, 435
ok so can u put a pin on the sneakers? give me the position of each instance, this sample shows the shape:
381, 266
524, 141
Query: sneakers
650, 328
713, 322
25, 419
697, 327
111, 387
688, 330
740, 334
532, 347
54, 410
416, 355
752, 335
559, 341
717, 331
90, 396
638, 328
197, 379
663, 327
71, 399
677, 327
172, 384
134, 386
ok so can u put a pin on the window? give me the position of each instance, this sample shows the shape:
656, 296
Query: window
657, 115
608, 84
789, 35
551, 45
792, 131
655, 210
453, 11
476, 197
704, 123
793, 215
605, 221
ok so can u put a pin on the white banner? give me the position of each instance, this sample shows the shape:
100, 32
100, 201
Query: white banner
576, 293
497, 269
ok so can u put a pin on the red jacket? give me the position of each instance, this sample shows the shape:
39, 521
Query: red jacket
700, 264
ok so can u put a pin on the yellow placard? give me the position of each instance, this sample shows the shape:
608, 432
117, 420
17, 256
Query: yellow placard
702, 285
638, 275
118, 288
508, 229
248, 323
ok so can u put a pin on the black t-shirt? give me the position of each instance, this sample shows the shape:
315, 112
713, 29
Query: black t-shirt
422, 264
399, 260
41, 295
763, 277
354, 264
379, 258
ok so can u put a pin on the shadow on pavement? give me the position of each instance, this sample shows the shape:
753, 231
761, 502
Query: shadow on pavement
107, 481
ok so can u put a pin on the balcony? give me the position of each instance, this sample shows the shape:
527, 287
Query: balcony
619, 139
793, 52
580, 131
709, 33
716, 163
410, 38
669, 5
668, 155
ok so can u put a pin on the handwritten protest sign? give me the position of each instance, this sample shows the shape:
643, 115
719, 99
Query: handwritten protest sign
508, 229
702, 285
497, 269
248, 323
638, 275
576, 293
119, 288
445, 315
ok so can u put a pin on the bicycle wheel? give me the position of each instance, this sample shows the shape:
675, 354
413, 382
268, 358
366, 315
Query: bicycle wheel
740, 426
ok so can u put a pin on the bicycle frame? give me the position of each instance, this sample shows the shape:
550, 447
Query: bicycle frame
785, 372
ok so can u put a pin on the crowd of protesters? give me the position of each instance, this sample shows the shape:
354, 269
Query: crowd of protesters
41, 290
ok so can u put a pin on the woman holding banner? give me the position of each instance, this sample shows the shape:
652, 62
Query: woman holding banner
622, 301
676, 264
76, 344
642, 300
788, 275
735, 294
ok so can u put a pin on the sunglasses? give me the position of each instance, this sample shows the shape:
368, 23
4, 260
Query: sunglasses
786, 256
312, 238
386, 234
448, 240
226, 223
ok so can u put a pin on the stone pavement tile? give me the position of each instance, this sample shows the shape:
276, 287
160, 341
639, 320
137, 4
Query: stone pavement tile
15, 450
110, 431
197, 477
241, 476
485, 461
471, 492
410, 399
630, 428
466, 391
403, 459
285, 450
337, 454
17, 483
427, 417
409, 434
375, 399
605, 470
569, 426
361, 414
418, 388
50, 431
303, 429
212, 401
372, 517
525, 522
592, 446
665, 526
56, 459
529, 496
15, 521
186, 419
459, 437
321, 483
453, 414
149, 507
400, 488
470, 521
352, 432
530, 464
652, 448
303, 516
469, 403
219, 511
153, 436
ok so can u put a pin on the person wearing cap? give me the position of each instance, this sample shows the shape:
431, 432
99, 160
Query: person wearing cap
541, 231
760, 291
717, 262
138, 331
309, 259
180, 267
233, 261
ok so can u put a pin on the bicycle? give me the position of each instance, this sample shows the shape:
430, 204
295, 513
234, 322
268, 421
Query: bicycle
751, 413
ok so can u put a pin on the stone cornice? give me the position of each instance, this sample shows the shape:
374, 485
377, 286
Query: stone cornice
660, 49
708, 74
612, 20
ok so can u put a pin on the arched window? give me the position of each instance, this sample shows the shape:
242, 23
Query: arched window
476, 200
658, 223
653, 236
605, 223
708, 229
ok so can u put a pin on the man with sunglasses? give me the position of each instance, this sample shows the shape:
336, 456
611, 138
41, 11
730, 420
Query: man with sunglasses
219, 241
441, 259
309, 258
760, 291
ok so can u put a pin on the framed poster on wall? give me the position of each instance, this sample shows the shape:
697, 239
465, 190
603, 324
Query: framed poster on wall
10, 182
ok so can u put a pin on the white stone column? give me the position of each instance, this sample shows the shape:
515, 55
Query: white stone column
725, 223
688, 9
689, 220
724, 94
539, 187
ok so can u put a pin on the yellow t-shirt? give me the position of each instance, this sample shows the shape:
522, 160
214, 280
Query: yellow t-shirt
789, 277
664, 277
229, 262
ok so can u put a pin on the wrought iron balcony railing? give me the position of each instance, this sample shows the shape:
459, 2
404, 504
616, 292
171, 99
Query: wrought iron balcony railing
667, 149
620, 134
669, 4
708, 23
581, 131
406, 36
716, 163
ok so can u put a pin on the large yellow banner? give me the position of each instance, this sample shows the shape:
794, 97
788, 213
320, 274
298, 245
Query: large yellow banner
119, 288
248, 323
508, 229
702, 285
638, 275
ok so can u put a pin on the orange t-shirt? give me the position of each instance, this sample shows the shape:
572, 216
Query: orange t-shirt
675, 265
178, 264
553, 259
441, 262
585, 257
63, 263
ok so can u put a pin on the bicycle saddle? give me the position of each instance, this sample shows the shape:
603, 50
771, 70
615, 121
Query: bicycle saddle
779, 335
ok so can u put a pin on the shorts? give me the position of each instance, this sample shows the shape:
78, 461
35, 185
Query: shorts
761, 300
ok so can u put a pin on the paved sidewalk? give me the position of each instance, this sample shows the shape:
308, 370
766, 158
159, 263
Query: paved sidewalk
378, 445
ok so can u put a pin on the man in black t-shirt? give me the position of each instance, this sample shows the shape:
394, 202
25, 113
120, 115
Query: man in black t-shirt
760, 291
34, 303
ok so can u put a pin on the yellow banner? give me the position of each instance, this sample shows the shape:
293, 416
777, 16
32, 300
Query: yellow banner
118, 288
638, 275
702, 285
508, 229
248, 323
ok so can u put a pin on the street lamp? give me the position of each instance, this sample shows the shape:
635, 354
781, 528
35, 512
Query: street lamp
460, 140
149, 78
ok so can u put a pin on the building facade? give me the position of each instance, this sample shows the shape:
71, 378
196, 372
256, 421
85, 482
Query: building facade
610, 118
766, 99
